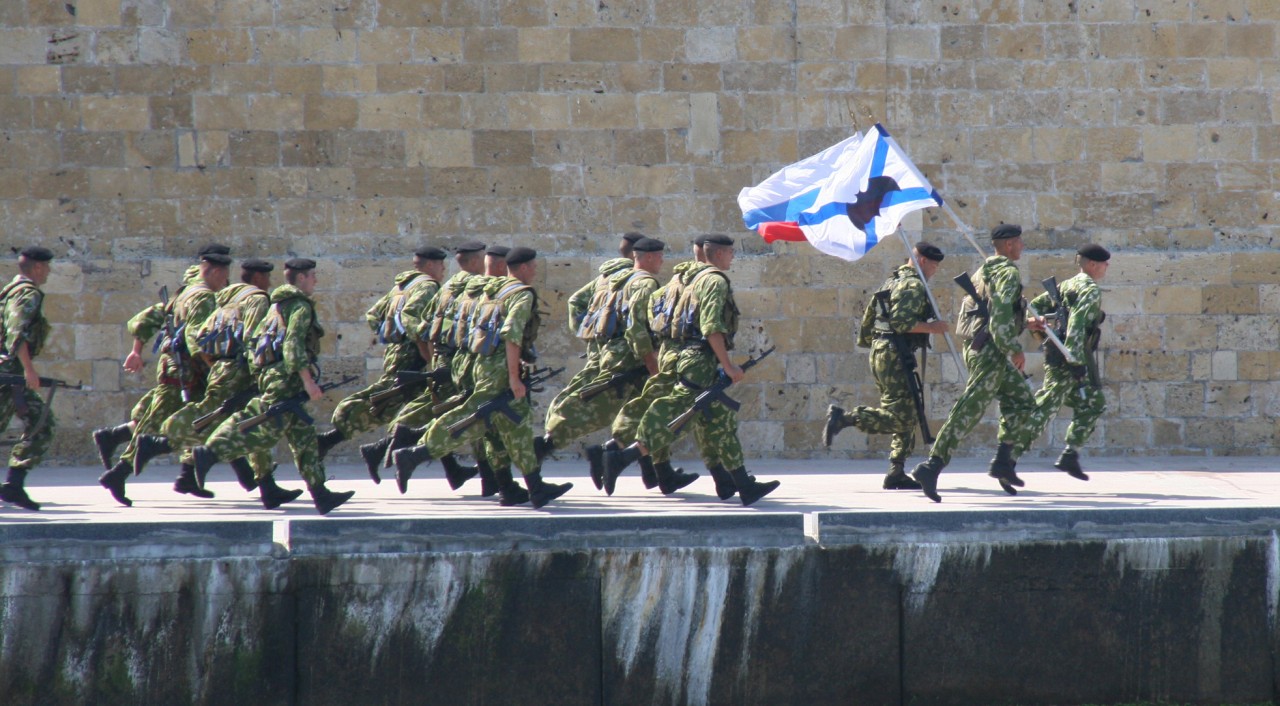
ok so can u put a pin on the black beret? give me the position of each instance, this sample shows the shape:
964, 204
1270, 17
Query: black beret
717, 239
929, 250
216, 258
1093, 251
520, 255
650, 245
37, 253
632, 238
700, 240
1005, 231
254, 264
429, 252
497, 250
300, 264
213, 249
469, 246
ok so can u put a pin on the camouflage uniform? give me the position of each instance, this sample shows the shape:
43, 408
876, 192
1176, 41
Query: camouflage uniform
277, 382
908, 305
488, 376
1083, 301
356, 414
991, 373
227, 377
696, 368
191, 306
24, 322
571, 416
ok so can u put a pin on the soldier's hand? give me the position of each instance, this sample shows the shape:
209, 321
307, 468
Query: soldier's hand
735, 373
1019, 360
1035, 323
313, 390
939, 326
517, 387
33, 380
133, 363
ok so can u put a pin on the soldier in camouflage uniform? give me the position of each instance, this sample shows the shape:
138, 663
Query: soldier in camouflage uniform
909, 314
995, 370
390, 318
24, 335
1076, 386
705, 319
285, 352
502, 346
180, 375
228, 376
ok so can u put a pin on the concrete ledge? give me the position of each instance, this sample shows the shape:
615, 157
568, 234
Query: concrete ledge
333, 536
836, 528
135, 540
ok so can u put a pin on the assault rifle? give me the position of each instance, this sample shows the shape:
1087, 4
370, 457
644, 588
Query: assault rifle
171, 335
408, 381
20, 402
907, 358
981, 340
501, 404
617, 382
295, 404
715, 393
229, 406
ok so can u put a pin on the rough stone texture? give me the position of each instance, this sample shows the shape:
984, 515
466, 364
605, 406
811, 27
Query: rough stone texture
133, 130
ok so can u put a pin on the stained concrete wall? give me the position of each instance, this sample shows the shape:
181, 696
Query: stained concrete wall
1188, 620
135, 129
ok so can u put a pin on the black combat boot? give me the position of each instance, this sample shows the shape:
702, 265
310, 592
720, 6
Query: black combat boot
273, 496
669, 479
897, 478
13, 491
725, 487
1069, 461
244, 474
326, 500
543, 446
595, 460
406, 460
615, 462
648, 474
836, 420
1002, 469
114, 479
750, 489
455, 472
373, 455
204, 459
542, 492
329, 439
107, 439
149, 446
187, 485
489, 486
401, 437
926, 474
511, 494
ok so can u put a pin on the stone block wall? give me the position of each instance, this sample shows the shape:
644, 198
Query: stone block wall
134, 130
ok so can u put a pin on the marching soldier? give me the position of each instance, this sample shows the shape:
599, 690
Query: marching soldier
704, 321
910, 315
285, 352
1077, 386
180, 375
502, 338
223, 340
390, 318
24, 335
989, 329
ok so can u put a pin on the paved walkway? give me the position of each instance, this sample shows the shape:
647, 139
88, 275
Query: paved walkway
71, 495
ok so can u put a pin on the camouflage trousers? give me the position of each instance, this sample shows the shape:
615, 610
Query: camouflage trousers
627, 421
356, 413
715, 431
228, 443
161, 401
571, 416
226, 378
488, 377
991, 376
896, 414
34, 443
1061, 388
590, 371
418, 412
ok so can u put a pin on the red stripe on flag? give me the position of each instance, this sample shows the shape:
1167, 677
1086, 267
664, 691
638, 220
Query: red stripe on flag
781, 230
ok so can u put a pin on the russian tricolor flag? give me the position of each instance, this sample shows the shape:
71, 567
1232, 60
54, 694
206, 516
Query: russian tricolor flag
842, 200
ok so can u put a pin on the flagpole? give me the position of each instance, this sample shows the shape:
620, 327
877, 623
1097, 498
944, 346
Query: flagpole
964, 229
951, 344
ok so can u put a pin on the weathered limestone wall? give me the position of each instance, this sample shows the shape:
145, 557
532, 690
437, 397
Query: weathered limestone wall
350, 131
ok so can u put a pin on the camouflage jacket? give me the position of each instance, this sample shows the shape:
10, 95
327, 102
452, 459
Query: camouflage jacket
1083, 301
24, 320
1003, 286
908, 305
581, 299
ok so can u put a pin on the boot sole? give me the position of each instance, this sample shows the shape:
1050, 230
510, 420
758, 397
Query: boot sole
543, 498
